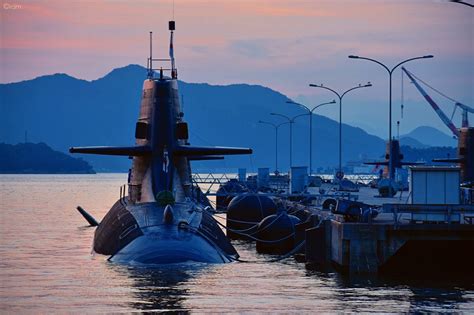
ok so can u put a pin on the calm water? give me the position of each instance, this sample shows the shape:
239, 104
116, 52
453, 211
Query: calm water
46, 266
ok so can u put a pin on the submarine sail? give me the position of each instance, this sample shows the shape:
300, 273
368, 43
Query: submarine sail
161, 220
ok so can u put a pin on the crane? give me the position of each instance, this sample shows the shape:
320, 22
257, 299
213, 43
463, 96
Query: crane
465, 109
433, 104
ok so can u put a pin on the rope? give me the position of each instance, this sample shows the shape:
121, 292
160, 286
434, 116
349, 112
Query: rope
270, 242
245, 230
296, 211
293, 251
199, 137
230, 257
255, 238
274, 220
290, 253
402, 98
236, 231
237, 221
432, 88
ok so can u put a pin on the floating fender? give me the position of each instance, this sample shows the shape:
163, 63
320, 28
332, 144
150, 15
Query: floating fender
245, 212
369, 214
231, 187
276, 234
353, 213
300, 228
299, 212
329, 204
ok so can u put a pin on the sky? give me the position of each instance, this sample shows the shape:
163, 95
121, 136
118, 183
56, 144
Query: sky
280, 44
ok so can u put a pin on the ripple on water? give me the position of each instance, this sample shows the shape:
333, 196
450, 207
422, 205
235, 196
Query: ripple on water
46, 266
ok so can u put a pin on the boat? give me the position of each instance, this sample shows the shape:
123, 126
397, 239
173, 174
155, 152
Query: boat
165, 218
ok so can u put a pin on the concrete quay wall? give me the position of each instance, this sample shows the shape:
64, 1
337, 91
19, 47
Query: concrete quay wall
365, 248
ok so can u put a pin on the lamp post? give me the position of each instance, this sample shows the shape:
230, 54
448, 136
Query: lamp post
341, 96
390, 72
276, 126
291, 121
310, 113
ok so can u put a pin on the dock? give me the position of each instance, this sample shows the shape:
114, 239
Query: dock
370, 247
404, 236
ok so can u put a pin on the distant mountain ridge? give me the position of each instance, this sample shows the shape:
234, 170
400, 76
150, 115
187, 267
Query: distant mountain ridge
410, 142
38, 158
64, 111
430, 136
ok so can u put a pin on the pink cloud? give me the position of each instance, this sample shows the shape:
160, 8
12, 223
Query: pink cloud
234, 41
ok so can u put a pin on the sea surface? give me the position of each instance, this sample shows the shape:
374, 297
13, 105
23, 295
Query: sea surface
46, 266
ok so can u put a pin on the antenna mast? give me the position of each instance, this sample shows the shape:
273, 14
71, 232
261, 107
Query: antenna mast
172, 27
150, 60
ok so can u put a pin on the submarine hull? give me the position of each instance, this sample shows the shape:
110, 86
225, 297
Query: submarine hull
162, 245
140, 234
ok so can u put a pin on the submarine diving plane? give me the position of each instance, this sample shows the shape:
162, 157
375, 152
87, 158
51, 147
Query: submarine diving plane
164, 218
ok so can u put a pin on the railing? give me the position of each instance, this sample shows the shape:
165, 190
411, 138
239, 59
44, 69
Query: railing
360, 178
212, 180
429, 213
123, 194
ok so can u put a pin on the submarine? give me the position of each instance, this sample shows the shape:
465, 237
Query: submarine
165, 218
397, 160
386, 187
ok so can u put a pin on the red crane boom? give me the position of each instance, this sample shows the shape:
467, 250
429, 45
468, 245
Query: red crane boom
433, 104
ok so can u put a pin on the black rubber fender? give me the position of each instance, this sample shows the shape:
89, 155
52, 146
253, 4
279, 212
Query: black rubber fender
330, 204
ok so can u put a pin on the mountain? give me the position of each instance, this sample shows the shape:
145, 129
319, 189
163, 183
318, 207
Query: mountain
31, 158
64, 111
432, 137
410, 142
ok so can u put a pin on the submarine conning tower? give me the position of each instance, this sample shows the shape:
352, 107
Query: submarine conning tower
160, 126
396, 159
162, 153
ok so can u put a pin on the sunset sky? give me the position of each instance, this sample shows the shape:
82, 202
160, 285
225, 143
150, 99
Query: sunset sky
281, 44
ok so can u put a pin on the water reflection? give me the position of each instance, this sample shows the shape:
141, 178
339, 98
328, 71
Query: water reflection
162, 288
407, 293
45, 267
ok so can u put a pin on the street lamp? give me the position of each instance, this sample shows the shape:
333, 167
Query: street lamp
291, 121
310, 113
276, 126
340, 96
390, 72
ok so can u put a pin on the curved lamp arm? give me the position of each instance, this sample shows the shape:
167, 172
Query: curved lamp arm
267, 123
322, 104
386, 68
356, 87
281, 115
325, 87
295, 103
415, 58
300, 115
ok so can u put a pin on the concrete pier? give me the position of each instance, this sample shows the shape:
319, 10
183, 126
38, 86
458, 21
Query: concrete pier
367, 247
